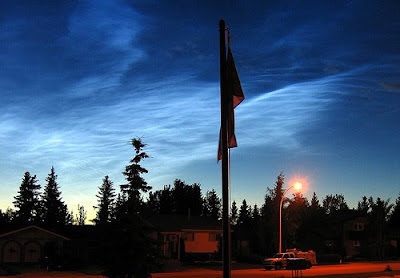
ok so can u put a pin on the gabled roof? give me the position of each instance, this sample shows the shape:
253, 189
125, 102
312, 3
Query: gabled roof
177, 223
32, 227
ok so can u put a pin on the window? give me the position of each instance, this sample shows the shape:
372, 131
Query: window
358, 226
213, 237
356, 243
189, 236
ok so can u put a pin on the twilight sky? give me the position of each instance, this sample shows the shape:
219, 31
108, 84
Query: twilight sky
79, 79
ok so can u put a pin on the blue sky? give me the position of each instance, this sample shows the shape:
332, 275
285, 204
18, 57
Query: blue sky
79, 79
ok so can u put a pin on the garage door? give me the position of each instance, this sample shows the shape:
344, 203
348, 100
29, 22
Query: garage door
12, 252
32, 252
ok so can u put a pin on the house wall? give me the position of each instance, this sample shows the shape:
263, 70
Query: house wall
27, 246
201, 243
354, 237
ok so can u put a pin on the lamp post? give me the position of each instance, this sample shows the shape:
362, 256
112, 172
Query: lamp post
296, 186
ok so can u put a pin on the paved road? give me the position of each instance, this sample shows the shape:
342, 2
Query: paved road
351, 270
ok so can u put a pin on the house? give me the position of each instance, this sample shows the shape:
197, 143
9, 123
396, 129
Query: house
393, 238
355, 238
29, 245
187, 237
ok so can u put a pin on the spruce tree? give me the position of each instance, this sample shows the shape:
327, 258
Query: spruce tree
54, 210
27, 200
106, 201
133, 174
212, 205
234, 213
244, 214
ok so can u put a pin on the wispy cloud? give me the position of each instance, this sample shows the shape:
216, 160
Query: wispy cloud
79, 80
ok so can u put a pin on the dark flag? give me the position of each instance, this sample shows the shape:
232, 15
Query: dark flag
235, 96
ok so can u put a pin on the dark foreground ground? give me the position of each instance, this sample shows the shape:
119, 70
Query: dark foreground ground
349, 270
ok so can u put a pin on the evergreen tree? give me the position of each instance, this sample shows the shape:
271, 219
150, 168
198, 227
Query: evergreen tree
244, 214
296, 213
255, 231
314, 220
234, 213
256, 214
120, 206
133, 174
378, 217
270, 213
105, 200
27, 200
395, 216
54, 211
363, 206
195, 199
212, 205
315, 202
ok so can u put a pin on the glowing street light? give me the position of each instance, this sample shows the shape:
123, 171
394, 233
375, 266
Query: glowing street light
297, 186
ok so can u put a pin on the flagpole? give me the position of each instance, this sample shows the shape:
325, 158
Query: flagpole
226, 234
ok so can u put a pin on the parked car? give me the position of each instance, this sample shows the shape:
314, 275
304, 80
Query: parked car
295, 259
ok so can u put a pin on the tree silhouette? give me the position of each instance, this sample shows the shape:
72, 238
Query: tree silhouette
152, 205
363, 206
380, 211
314, 204
81, 217
161, 201
212, 205
296, 214
244, 214
270, 215
54, 211
6, 217
395, 216
234, 213
187, 198
133, 174
309, 235
166, 200
334, 203
27, 201
105, 200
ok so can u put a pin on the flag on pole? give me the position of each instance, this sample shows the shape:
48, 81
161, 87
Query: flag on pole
235, 96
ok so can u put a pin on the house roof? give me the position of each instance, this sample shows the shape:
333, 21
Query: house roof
177, 223
32, 227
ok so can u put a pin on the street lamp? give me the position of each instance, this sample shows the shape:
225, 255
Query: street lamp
297, 186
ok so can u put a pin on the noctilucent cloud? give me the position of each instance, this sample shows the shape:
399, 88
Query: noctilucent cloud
79, 79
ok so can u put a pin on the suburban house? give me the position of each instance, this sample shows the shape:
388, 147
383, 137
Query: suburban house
30, 245
187, 237
355, 238
393, 238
